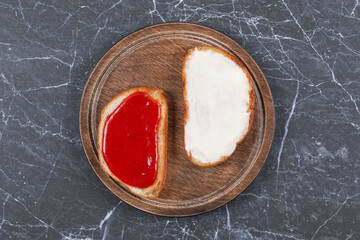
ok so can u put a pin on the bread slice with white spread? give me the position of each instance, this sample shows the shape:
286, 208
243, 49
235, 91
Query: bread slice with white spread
219, 102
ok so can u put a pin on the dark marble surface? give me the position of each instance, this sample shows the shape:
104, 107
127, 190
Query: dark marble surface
309, 187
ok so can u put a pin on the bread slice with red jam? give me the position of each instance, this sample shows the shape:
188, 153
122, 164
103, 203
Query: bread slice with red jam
132, 140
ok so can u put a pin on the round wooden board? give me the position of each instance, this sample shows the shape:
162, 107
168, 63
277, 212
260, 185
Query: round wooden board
153, 57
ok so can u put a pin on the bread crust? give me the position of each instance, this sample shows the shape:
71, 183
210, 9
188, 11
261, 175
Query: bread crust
156, 94
186, 106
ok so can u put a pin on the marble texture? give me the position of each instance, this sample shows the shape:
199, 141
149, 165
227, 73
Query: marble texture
309, 186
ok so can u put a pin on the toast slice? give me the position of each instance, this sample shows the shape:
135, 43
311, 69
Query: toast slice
219, 104
160, 144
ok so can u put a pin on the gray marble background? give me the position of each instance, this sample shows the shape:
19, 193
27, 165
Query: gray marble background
309, 187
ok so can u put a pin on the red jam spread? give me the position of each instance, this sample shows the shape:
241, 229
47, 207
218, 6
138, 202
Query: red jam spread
129, 143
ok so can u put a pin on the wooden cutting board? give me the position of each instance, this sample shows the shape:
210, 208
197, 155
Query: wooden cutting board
153, 56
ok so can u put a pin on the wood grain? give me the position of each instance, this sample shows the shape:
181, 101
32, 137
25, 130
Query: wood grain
153, 57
